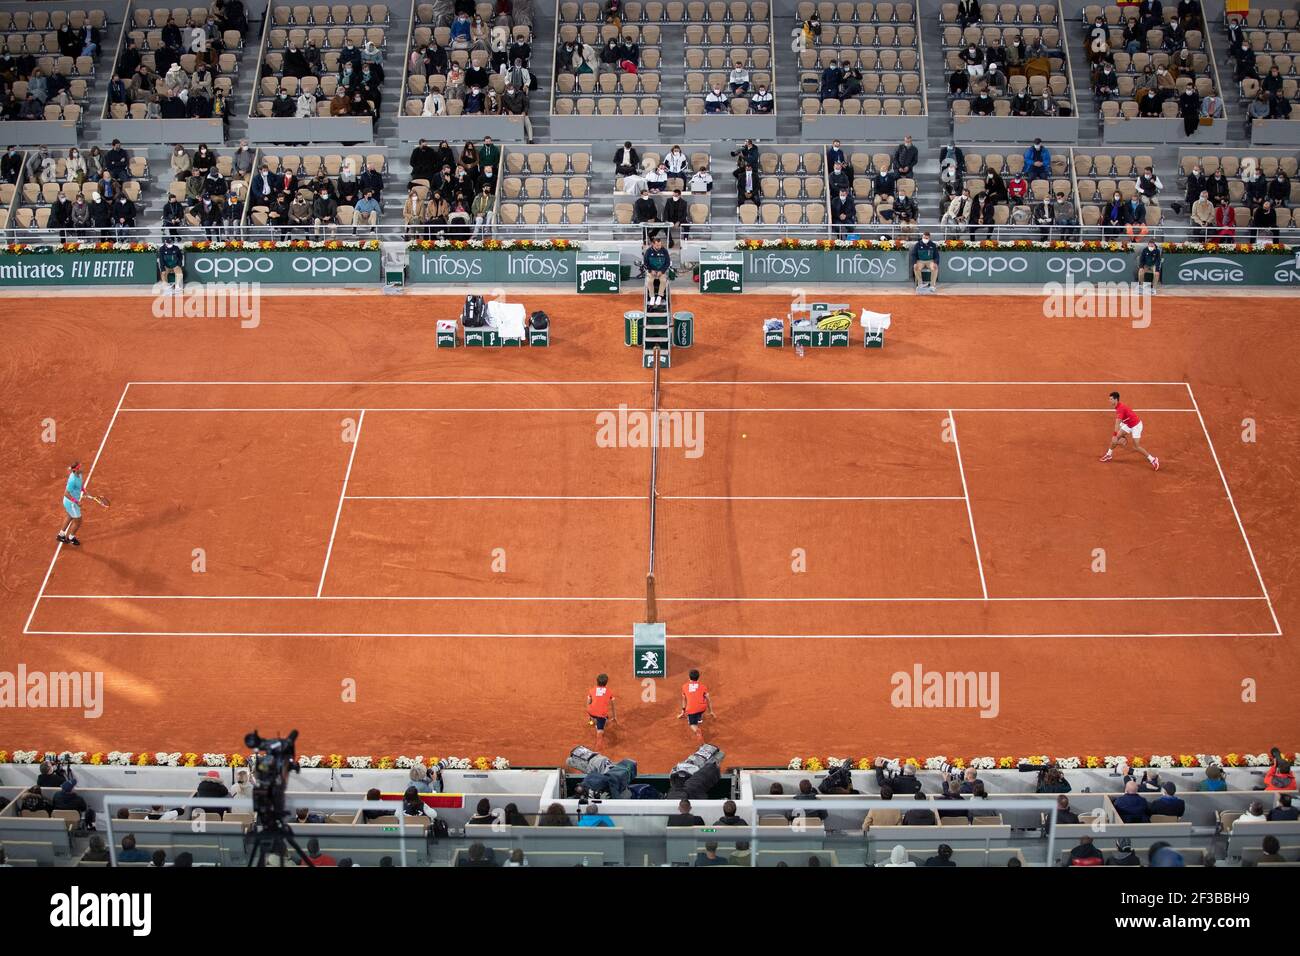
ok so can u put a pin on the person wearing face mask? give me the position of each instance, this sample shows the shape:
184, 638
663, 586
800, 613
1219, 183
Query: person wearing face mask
1113, 215
324, 213
762, 101
844, 213
677, 164
715, 101
676, 214
610, 57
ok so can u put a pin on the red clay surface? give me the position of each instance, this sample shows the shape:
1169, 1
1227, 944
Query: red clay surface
489, 556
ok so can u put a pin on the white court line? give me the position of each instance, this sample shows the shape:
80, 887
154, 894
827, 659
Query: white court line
623, 636
636, 408
58, 548
646, 381
1240, 527
952, 423
661, 498
356, 440
677, 600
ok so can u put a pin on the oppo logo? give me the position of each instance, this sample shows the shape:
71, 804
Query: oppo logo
987, 267
1211, 269
220, 267
456, 268
777, 265
333, 266
1087, 265
545, 267
871, 267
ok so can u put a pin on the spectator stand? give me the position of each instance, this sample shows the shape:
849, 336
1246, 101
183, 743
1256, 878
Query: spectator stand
792, 193
1100, 173
1015, 220
298, 25
430, 22
1274, 36
865, 161
1232, 161
232, 226
35, 198
614, 105
718, 36
1048, 73
305, 164
32, 30
883, 40
133, 122
1119, 117
9, 195
543, 186
699, 205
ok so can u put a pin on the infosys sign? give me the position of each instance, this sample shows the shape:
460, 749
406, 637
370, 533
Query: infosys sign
468, 268
315, 267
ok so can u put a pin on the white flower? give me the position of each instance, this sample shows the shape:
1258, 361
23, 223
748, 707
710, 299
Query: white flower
796, 763
312, 761
358, 763
983, 763
933, 763
214, 760
1162, 761
833, 762
1258, 760
410, 763
24, 756
1113, 762
500, 763
1209, 760
1068, 763
167, 760
120, 758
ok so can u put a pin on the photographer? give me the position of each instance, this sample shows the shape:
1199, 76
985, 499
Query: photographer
1050, 778
748, 152
68, 799
901, 780
53, 774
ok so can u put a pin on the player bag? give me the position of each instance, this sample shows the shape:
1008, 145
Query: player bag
539, 320
474, 314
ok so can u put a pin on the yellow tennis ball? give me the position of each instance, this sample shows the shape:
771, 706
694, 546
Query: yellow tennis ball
743, 435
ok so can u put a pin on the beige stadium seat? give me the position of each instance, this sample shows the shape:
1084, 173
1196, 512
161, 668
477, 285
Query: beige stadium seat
748, 214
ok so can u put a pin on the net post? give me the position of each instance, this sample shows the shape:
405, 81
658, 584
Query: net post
651, 608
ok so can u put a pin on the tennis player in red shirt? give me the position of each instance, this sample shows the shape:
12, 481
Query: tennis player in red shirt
1127, 424
695, 703
600, 706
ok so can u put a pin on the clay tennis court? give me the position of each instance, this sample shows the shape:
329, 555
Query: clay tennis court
446, 529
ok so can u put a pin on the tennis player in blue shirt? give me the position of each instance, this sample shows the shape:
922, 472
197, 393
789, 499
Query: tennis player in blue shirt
72, 494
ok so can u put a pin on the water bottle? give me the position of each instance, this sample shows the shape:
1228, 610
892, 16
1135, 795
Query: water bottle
798, 350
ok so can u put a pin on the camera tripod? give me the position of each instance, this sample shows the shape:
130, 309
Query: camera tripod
273, 836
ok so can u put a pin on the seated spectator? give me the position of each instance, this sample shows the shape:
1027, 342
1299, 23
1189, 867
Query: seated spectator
33, 801
943, 857
920, 815
554, 817
306, 815
1125, 855
1284, 812
741, 855
738, 79
1272, 851
982, 104
1131, 807
656, 179
414, 806
898, 856
1254, 814
952, 792
1017, 189
729, 817
701, 181
761, 102
483, 815
98, 851
1225, 230
844, 212
716, 101
1264, 221
626, 160
594, 818
1214, 780
130, 853
367, 816
1168, 804
1085, 854
709, 857
685, 818
1064, 814
1037, 161
315, 856
883, 816
366, 212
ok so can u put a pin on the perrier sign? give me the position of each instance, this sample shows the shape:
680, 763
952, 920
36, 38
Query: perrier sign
722, 273
598, 272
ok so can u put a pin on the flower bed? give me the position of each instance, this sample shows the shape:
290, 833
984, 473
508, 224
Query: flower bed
1020, 245
494, 245
121, 758
816, 764
104, 248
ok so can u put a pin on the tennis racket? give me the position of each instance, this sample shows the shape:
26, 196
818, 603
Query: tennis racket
102, 502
